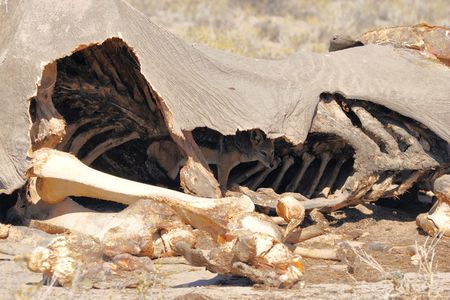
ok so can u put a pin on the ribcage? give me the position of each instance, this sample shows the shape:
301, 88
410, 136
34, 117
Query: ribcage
109, 110
354, 148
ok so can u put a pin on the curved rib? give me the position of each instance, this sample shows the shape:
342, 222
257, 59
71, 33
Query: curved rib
107, 145
84, 137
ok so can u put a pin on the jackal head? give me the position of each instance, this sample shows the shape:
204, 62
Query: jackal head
259, 148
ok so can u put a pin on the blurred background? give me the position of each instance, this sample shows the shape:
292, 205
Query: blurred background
276, 29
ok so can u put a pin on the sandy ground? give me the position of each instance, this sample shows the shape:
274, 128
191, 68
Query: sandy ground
376, 226
187, 282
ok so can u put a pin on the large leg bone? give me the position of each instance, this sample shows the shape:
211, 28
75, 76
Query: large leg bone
325, 158
288, 161
61, 175
437, 220
140, 229
307, 159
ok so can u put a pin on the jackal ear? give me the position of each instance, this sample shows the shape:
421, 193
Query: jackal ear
256, 137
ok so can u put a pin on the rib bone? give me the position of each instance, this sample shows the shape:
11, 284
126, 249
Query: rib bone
288, 161
72, 129
82, 138
376, 129
246, 175
332, 179
307, 159
54, 184
325, 158
107, 145
263, 175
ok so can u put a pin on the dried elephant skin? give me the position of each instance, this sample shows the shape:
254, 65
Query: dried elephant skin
195, 86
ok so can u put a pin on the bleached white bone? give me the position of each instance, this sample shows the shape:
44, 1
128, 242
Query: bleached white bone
61, 175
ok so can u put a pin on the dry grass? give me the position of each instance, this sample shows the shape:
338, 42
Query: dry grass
402, 286
275, 29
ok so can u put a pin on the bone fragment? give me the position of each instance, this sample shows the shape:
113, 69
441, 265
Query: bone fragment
259, 198
61, 175
76, 259
378, 189
292, 211
331, 254
198, 166
49, 128
196, 180
325, 158
407, 183
287, 162
307, 159
437, 220
256, 256
4, 231
278, 220
330, 204
303, 234
255, 223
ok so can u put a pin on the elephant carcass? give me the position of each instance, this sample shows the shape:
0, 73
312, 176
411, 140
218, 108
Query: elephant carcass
101, 81
189, 86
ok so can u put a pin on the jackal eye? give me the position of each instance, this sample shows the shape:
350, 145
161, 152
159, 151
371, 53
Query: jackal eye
264, 153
